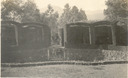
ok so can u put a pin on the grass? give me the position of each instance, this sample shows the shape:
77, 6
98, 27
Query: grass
68, 71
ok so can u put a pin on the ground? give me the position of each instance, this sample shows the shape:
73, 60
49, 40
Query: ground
68, 71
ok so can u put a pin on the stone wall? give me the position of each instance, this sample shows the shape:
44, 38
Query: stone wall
113, 55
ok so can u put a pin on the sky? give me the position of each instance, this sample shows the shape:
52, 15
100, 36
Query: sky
93, 8
84, 4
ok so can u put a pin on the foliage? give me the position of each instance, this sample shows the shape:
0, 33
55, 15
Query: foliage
50, 17
71, 15
27, 11
116, 10
11, 10
17, 10
30, 12
121, 35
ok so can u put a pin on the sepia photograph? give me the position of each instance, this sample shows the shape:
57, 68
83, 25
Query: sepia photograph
64, 38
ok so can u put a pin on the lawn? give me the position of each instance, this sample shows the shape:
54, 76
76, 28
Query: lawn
68, 71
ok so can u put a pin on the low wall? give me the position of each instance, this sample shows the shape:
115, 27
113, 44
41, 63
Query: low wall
113, 55
84, 54
21, 56
90, 55
63, 54
96, 55
118, 48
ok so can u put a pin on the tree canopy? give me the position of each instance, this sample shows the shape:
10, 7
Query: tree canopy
30, 12
20, 11
50, 17
116, 10
11, 10
71, 15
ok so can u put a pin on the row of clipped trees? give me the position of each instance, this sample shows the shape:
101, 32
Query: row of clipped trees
27, 11
117, 10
